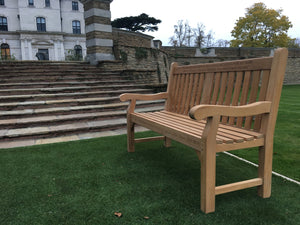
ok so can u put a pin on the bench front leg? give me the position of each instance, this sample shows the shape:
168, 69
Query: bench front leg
130, 134
208, 165
130, 126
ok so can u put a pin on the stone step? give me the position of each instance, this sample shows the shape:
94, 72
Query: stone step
42, 79
69, 118
56, 103
68, 89
75, 95
25, 113
96, 82
59, 130
47, 101
62, 76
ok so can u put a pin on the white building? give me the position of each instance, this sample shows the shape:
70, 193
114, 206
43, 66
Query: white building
42, 29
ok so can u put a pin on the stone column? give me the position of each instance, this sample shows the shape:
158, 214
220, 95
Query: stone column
98, 29
23, 49
30, 50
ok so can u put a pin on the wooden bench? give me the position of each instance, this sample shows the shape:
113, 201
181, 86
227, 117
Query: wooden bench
218, 107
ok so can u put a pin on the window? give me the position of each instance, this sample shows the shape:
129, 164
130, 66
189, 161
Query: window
76, 27
41, 24
30, 2
3, 23
75, 6
78, 52
1, 2
47, 3
5, 51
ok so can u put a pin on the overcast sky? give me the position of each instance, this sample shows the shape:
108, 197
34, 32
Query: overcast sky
217, 15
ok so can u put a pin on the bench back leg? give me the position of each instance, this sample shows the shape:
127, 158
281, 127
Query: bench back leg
130, 135
167, 142
265, 170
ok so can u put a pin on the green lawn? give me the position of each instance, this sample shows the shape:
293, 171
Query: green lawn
286, 159
86, 182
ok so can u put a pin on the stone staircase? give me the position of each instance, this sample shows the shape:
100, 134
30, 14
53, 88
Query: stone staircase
44, 102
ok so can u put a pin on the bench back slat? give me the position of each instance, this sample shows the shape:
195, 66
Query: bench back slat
234, 83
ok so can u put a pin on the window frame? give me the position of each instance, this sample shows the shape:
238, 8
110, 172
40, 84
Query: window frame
41, 24
2, 2
76, 27
3, 23
31, 2
47, 3
75, 6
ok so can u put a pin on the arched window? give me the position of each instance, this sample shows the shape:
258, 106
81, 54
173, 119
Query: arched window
76, 27
78, 52
41, 24
5, 51
3, 23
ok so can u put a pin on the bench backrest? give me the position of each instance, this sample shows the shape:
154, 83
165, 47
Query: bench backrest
233, 83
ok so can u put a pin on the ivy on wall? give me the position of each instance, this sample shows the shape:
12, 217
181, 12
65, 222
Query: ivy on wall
141, 53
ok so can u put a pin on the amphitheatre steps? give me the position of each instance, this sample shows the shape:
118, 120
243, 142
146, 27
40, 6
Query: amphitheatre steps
59, 101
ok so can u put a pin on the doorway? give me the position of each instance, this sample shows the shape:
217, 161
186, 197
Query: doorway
42, 54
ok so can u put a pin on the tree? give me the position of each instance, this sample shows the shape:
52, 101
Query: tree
294, 43
261, 27
222, 43
185, 35
199, 34
181, 33
137, 23
209, 39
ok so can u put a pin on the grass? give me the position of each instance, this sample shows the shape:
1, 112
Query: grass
286, 158
86, 182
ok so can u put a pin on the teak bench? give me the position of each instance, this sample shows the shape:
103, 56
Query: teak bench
218, 107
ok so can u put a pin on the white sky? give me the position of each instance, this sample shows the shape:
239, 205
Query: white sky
216, 15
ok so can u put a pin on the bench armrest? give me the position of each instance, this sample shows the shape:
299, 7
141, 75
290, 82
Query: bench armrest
200, 112
143, 97
140, 97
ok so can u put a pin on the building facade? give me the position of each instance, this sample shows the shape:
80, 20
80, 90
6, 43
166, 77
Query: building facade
42, 30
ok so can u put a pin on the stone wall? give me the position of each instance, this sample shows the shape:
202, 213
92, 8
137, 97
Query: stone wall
134, 39
186, 56
136, 56
292, 75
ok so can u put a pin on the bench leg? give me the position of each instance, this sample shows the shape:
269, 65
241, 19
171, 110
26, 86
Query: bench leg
167, 142
265, 170
208, 180
130, 136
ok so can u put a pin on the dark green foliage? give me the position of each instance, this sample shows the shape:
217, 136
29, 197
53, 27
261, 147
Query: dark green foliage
141, 53
124, 56
137, 23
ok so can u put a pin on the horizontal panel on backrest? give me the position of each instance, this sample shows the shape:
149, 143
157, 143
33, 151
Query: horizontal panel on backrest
229, 66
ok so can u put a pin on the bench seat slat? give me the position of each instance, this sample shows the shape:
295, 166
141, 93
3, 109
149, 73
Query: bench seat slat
194, 126
241, 131
226, 134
